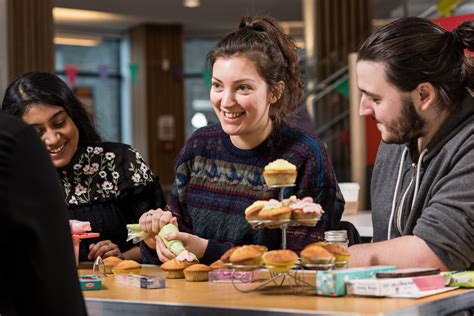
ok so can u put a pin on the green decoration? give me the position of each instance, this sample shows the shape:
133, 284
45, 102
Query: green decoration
446, 7
206, 75
343, 88
133, 72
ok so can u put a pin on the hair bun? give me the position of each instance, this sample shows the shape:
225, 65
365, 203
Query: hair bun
250, 25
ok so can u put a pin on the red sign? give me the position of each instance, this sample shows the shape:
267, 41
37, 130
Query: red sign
451, 22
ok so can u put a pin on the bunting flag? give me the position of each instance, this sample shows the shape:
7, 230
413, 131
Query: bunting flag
446, 7
206, 76
103, 71
343, 88
71, 75
133, 72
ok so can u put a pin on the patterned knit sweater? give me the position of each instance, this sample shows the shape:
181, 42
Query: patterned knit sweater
216, 181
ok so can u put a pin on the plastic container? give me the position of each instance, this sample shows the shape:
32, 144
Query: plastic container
338, 237
350, 192
76, 240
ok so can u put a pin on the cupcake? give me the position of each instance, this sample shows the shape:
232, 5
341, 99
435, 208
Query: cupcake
127, 266
251, 212
317, 256
226, 256
275, 211
279, 172
279, 260
249, 255
173, 269
305, 211
197, 273
216, 265
110, 262
341, 253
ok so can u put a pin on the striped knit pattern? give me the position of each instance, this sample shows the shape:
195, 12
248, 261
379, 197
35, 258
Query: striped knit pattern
216, 181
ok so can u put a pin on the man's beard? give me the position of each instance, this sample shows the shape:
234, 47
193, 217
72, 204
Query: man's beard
408, 126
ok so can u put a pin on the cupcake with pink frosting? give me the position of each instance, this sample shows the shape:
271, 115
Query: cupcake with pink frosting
305, 211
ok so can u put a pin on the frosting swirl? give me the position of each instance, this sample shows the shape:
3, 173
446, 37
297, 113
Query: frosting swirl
307, 205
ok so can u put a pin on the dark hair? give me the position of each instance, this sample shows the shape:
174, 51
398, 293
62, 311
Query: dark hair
416, 50
45, 88
275, 56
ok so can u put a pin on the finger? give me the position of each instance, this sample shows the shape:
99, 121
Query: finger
114, 252
106, 248
142, 221
184, 237
165, 219
174, 221
93, 248
150, 242
163, 251
155, 225
96, 247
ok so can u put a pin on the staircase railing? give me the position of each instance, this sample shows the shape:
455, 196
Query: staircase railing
330, 109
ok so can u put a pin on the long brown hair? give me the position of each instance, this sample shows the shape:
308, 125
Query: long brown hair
275, 56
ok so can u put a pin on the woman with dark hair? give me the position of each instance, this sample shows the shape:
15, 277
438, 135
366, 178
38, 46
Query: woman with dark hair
415, 81
107, 184
256, 84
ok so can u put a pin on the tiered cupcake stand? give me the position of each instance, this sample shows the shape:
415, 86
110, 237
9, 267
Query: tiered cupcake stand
294, 277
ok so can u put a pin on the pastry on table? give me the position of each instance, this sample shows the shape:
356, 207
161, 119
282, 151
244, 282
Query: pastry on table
248, 255
251, 212
340, 252
111, 262
127, 266
216, 265
279, 172
317, 255
226, 256
173, 269
305, 211
275, 211
280, 260
197, 273
317, 243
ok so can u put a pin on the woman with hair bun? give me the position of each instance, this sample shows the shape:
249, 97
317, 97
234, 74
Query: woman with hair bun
256, 85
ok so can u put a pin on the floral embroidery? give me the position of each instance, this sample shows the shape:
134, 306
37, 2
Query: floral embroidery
95, 175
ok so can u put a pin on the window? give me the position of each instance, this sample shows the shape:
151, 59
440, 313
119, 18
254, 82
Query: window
197, 84
98, 82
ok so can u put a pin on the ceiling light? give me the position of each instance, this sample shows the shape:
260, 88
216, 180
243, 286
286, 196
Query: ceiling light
191, 3
65, 15
77, 40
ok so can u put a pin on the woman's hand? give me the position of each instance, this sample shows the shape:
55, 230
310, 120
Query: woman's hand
153, 220
104, 249
192, 243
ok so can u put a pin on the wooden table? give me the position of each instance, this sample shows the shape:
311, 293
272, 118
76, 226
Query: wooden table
203, 298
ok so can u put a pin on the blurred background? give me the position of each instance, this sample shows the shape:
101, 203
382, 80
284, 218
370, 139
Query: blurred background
139, 66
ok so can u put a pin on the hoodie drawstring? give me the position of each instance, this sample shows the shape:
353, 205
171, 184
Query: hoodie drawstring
417, 184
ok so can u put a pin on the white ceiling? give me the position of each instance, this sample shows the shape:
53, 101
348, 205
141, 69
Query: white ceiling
213, 17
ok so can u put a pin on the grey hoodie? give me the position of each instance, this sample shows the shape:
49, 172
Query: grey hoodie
441, 212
